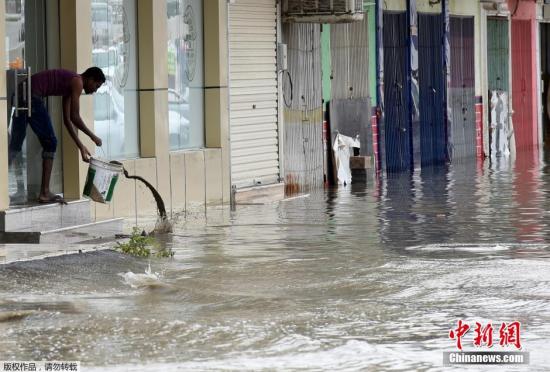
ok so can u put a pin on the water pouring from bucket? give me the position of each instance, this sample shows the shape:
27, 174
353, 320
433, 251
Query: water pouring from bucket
163, 225
102, 179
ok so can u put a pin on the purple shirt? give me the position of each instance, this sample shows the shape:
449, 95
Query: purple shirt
52, 83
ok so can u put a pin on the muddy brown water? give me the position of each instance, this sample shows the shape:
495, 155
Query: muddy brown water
352, 279
163, 225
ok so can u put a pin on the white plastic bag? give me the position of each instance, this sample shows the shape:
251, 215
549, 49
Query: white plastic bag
342, 147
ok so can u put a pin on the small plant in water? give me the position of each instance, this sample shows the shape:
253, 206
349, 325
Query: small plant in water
141, 245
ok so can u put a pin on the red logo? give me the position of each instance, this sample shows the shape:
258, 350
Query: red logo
483, 335
457, 333
509, 334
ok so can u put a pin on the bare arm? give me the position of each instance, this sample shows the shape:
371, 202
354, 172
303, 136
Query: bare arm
74, 113
85, 153
68, 123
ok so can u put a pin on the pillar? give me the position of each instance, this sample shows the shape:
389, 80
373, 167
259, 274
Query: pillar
75, 25
153, 88
4, 195
216, 98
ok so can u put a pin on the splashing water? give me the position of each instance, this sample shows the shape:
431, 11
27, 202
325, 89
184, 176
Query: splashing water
146, 280
163, 225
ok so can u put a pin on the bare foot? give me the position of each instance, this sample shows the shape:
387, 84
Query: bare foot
51, 198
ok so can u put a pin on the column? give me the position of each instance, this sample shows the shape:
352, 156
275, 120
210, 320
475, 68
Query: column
216, 85
75, 23
4, 196
153, 96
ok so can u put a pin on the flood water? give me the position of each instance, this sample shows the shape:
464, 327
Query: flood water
351, 279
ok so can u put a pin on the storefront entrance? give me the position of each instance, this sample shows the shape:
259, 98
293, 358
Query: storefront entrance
523, 104
462, 90
545, 81
398, 140
498, 68
32, 38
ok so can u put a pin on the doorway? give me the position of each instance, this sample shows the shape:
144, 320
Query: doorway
522, 84
398, 139
462, 90
32, 45
498, 57
433, 134
545, 81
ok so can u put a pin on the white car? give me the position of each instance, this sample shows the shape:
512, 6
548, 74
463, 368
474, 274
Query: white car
109, 119
178, 118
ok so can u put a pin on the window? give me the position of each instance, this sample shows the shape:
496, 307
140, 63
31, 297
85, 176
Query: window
185, 74
116, 110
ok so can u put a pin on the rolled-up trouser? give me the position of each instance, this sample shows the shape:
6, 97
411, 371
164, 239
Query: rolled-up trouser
41, 125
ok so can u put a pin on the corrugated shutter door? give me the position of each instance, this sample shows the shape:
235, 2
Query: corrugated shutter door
397, 130
522, 87
253, 93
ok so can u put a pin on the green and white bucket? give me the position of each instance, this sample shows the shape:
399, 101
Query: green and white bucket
101, 180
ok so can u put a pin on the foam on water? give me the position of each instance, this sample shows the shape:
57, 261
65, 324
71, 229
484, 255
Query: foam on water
476, 248
146, 280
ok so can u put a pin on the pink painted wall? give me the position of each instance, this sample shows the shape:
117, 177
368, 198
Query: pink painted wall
524, 72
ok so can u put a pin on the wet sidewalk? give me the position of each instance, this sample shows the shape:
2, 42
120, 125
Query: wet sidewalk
10, 253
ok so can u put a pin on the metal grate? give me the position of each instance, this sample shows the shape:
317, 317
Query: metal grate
323, 11
316, 7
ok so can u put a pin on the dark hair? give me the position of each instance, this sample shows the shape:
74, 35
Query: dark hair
95, 74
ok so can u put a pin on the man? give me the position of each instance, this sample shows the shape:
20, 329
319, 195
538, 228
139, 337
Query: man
70, 86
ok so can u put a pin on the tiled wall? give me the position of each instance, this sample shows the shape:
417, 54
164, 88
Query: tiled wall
194, 177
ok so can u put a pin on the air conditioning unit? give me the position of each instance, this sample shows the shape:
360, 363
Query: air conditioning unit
496, 7
322, 11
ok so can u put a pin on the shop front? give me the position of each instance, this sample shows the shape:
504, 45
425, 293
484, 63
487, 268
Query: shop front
163, 110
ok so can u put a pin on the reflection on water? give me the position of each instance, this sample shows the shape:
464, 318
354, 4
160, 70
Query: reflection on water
349, 279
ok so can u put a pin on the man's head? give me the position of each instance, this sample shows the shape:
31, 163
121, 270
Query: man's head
92, 79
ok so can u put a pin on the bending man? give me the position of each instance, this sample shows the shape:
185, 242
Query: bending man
70, 86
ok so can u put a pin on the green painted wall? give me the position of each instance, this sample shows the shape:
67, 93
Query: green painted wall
371, 14
326, 56
326, 65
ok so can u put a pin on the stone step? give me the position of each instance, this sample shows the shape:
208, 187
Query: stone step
90, 233
45, 217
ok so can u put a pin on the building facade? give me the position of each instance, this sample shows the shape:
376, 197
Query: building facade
164, 108
211, 99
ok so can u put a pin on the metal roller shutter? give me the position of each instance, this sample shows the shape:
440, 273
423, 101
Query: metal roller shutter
253, 93
462, 91
522, 85
398, 140
432, 86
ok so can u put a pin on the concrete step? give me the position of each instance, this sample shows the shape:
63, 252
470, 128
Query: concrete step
92, 233
260, 194
56, 224
45, 217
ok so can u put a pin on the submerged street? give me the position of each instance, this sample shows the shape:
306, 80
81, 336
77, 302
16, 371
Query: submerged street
358, 278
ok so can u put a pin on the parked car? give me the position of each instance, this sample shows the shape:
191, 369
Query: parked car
109, 118
178, 118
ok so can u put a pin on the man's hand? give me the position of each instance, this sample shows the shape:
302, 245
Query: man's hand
85, 154
97, 140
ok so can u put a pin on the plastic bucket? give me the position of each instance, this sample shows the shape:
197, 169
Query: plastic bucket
101, 180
